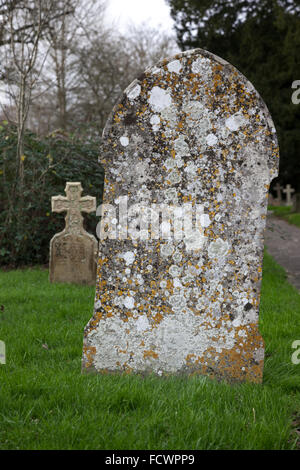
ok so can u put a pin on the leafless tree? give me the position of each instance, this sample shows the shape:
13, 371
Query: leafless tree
107, 63
88, 65
24, 24
24, 32
62, 38
53, 102
146, 45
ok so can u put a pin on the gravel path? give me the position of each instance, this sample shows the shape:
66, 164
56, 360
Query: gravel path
283, 243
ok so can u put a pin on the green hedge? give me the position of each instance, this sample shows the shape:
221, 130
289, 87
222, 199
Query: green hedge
26, 221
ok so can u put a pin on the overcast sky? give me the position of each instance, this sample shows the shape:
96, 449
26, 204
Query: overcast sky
155, 12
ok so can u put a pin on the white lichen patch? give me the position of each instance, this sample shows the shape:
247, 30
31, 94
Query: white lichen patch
205, 220
202, 66
166, 249
194, 241
133, 92
174, 66
174, 270
171, 195
142, 324
211, 140
181, 147
155, 122
174, 177
194, 110
177, 302
124, 140
234, 122
218, 249
129, 302
159, 99
177, 256
170, 116
128, 257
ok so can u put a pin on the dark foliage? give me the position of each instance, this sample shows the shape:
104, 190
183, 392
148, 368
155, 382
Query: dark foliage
262, 39
26, 221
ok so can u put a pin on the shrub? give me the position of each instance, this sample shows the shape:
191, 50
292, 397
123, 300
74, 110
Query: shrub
26, 221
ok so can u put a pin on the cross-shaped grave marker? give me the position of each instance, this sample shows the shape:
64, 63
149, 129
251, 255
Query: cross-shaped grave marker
288, 191
278, 189
73, 251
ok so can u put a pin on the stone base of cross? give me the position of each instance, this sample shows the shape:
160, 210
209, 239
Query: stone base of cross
73, 252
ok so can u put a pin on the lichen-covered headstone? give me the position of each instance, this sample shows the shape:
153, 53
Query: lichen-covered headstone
73, 251
180, 294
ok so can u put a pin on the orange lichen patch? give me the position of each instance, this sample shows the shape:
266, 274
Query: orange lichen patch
122, 351
166, 309
180, 126
102, 283
189, 358
240, 366
102, 261
150, 353
107, 308
157, 318
127, 368
89, 353
236, 364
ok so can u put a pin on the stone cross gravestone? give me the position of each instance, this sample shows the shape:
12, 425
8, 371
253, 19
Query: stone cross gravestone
270, 200
189, 152
73, 252
288, 191
278, 200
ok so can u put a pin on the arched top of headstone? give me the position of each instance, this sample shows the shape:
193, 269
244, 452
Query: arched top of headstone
192, 104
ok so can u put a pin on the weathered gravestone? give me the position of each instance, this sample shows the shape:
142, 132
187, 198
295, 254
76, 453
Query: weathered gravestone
288, 191
73, 252
278, 200
296, 202
190, 134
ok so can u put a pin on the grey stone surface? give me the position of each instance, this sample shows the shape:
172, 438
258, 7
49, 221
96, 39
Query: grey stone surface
190, 130
73, 252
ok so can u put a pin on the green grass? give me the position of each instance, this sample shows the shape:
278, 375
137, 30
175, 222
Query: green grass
293, 219
285, 212
280, 210
45, 402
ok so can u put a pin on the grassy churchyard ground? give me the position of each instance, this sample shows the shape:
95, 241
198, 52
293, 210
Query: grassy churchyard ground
286, 213
45, 402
